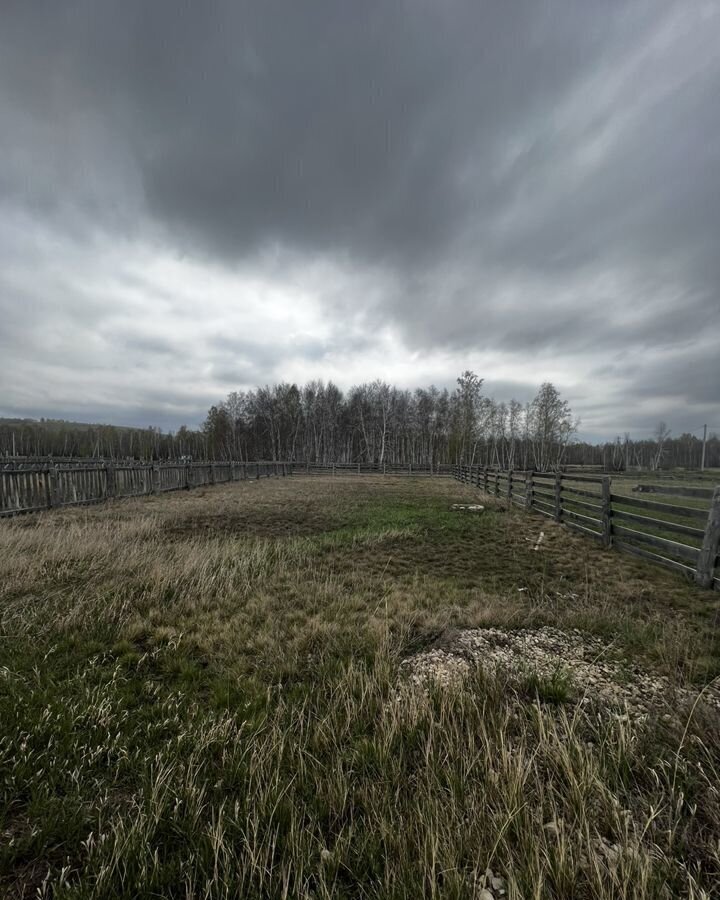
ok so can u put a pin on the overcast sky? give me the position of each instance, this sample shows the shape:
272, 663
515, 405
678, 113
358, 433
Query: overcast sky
201, 197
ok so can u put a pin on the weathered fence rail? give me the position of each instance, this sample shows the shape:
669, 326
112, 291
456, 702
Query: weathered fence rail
398, 469
682, 534
44, 487
29, 488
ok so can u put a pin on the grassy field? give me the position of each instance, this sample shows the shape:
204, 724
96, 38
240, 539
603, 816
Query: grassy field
201, 695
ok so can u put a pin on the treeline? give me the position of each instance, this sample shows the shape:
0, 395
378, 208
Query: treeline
381, 424
376, 423
371, 423
58, 438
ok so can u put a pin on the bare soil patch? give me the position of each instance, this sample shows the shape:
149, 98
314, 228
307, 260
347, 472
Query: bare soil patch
568, 666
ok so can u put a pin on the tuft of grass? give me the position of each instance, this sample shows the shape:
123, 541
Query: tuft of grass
555, 688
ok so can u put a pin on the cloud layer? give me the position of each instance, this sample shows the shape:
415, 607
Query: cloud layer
195, 199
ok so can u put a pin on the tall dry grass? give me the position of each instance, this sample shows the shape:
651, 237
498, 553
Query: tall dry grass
190, 709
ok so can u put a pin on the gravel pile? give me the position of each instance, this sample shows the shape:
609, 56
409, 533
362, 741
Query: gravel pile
583, 661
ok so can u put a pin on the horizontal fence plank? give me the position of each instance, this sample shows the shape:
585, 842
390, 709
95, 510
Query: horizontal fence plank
592, 507
658, 523
7, 512
657, 558
677, 549
581, 529
687, 512
588, 479
589, 520
549, 494
579, 492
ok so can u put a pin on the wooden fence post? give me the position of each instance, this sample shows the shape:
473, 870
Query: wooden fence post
529, 495
485, 479
711, 544
110, 479
155, 478
509, 486
53, 487
497, 482
606, 513
558, 496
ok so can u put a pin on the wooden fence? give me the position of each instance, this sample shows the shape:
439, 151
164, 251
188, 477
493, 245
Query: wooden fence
680, 532
398, 469
44, 487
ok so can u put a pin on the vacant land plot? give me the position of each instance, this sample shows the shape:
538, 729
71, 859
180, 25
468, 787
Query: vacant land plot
344, 688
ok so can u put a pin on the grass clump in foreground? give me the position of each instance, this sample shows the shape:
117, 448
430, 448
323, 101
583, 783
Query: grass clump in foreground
199, 698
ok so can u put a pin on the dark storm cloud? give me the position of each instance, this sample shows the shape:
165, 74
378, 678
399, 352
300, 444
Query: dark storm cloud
531, 179
362, 127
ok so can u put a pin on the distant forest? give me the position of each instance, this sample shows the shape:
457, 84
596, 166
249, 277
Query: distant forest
371, 423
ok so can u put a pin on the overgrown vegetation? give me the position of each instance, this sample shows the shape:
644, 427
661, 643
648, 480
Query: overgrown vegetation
199, 698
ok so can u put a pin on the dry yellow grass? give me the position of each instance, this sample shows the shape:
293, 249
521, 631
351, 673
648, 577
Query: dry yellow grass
198, 697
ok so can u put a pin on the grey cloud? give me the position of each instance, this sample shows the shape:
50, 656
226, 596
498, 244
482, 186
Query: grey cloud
235, 375
329, 125
139, 343
269, 351
694, 380
535, 178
